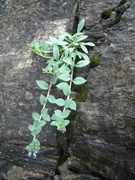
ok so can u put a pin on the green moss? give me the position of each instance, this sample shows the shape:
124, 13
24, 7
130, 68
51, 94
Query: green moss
117, 19
48, 145
82, 91
62, 159
106, 13
95, 60
20, 165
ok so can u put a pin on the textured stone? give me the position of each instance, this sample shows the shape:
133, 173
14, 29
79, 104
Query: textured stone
103, 130
20, 23
101, 135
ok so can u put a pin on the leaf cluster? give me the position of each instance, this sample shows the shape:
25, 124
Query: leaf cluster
61, 54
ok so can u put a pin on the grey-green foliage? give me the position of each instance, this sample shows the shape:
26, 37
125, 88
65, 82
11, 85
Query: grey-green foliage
61, 54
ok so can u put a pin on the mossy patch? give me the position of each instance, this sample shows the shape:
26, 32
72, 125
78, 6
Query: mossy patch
82, 93
106, 13
62, 159
95, 60
117, 19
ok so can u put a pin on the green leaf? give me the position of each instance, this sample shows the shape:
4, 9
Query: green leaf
89, 44
54, 79
35, 116
85, 56
54, 117
65, 88
31, 127
67, 60
67, 36
53, 123
46, 117
84, 48
34, 46
51, 99
79, 80
56, 51
64, 77
33, 146
60, 102
80, 25
69, 103
36, 142
73, 105
36, 124
45, 114
44, 44
53, 40
36, 131
66, 122
62, 43
42, 123
42, 84
66, 113
80, 38
82, 63
58, 113
42, 99
62, 37
61, 125
64, 69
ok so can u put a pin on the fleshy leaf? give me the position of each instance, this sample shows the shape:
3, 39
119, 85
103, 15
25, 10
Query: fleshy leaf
84, 48
35, 116
60, 102
80, 38
69, 103
42, 99
66, 113
56, 51
51, 99
64, 77
80, 25
79, 80
82, 63
31, 127
65, 88
42, 84
89, 44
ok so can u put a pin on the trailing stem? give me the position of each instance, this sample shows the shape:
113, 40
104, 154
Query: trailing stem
62, 54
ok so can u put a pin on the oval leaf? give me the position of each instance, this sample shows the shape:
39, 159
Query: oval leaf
60, 102
35, 116
89, 44
66, 113
42, 84
80, 25
65, 88
42, 123
84, 48
79, 80
42, 99
64, 77
73, 105
31, 127
82, 63
51, 99
56, 51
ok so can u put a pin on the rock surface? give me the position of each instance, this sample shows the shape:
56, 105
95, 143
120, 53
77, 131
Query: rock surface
21, 22
101, 136
103, 130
